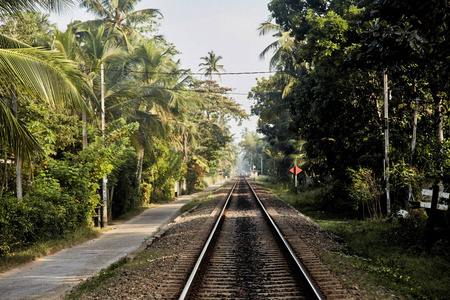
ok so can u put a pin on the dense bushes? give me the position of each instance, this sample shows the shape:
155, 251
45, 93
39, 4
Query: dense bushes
123, 185
58, 203
14, 224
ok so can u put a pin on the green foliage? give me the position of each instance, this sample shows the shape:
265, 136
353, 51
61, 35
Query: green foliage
366, 191
162, 174
59, 202
14, 224
32, 28
124, 182
194, 176
336, 200
328, 92
55, 130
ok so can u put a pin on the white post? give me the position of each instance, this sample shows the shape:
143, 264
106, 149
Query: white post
261, 164
105, 180
386, 140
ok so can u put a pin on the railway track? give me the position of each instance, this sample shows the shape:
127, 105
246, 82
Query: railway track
247, 257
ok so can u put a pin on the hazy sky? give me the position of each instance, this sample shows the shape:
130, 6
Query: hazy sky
195, 27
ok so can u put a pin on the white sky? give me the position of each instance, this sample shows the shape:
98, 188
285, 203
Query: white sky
195, 27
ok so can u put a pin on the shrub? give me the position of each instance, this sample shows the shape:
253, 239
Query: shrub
336, 199
124, 185
366, 191
59, 202
54, 210
14, 224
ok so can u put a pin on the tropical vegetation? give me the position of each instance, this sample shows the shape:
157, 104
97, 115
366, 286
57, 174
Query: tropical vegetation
323, 109
159, 125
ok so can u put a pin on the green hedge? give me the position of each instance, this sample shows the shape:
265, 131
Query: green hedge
59, 201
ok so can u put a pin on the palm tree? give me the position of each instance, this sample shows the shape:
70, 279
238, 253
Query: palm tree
27, 71
159, 105
276, 157
40, 73
211, 65
283, 57
119, 16
282, 47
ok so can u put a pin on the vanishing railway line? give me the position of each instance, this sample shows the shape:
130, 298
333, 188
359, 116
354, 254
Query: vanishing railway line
246, 256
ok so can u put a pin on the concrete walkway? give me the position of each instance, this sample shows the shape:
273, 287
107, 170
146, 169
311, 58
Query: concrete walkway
52, 276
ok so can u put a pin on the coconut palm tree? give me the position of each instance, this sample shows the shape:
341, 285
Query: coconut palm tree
27, 71
282, 47
283, 58
159, 105
211, 65
39, 73
119, 15
36, 71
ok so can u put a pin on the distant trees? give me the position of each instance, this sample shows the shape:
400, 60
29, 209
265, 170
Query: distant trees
211, 65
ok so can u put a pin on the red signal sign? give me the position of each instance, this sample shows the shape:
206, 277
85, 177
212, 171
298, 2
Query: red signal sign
295, 170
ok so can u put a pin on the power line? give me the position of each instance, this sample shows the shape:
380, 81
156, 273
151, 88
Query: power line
187, 72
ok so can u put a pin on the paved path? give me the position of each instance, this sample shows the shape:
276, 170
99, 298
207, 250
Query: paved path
52, 276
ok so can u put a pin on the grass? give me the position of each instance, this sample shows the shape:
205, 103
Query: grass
381, 258
391, 254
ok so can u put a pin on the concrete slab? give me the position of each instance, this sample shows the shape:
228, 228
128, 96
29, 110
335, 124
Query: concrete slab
52, 276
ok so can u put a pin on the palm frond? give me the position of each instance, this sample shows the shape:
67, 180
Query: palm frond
14, 6
45, 74
143, 15
7, 42
268, 27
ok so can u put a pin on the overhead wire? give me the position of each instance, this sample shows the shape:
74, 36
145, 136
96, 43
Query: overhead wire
186, 72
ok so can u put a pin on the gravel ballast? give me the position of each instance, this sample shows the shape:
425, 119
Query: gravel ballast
158, 272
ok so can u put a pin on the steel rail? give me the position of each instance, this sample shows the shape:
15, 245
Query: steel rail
288, 247
200, 259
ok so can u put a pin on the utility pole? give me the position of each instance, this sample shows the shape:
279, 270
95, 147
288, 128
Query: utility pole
261, 163
105, 180
386, 141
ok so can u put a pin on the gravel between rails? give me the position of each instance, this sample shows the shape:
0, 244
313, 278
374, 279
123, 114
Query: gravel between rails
158, 271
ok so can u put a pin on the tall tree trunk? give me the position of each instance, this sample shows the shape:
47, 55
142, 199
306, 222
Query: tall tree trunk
84, 119
19, 188
185, 148
140, 165
386, 97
